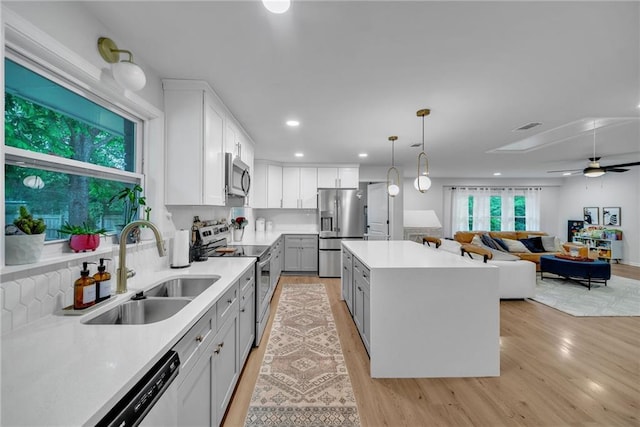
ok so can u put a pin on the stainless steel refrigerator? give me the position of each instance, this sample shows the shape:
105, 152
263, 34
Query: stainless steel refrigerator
340, 217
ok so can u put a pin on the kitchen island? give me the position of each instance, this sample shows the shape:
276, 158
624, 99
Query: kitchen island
422, 312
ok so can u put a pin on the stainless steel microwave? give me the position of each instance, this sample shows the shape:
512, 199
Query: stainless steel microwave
237, 177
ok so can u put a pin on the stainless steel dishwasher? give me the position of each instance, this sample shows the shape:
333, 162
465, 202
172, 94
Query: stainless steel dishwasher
152, 400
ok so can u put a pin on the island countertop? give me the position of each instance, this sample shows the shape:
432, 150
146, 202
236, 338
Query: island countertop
406, 254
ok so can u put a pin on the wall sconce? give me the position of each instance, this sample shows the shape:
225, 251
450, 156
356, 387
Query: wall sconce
392, 186
128, 75
422, 181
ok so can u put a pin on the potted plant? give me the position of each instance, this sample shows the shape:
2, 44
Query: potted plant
132, 199
238, 225
84, 237
24, 240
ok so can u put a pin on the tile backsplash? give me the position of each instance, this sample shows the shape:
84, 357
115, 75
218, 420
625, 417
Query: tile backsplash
29, 295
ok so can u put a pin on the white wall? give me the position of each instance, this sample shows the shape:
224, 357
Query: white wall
610, 190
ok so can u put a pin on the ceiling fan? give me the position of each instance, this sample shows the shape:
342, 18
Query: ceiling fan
594, 169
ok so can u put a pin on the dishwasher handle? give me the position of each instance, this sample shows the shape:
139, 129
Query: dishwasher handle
134, 406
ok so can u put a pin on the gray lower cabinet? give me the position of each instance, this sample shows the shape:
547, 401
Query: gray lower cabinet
347, 279
361, 301
195, 381
212, 354
226, 354
301, 253
247, 316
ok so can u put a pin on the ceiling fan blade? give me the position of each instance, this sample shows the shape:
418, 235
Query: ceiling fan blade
621, 165
615, 170
565, 170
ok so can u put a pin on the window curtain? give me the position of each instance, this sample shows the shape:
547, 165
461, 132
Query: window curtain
459, 210
508, 212
532, 205
482, 208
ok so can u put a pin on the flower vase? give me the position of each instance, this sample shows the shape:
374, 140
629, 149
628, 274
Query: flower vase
237, 234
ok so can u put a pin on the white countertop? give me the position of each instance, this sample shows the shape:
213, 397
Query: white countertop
267, 237
58, 371
405, 254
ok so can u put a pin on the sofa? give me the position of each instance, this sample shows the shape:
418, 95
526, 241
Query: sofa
468, 236
516, 279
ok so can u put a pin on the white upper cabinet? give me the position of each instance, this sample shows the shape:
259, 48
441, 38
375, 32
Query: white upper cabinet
237, 143
267, 185
299, 187
194, 120
342, 177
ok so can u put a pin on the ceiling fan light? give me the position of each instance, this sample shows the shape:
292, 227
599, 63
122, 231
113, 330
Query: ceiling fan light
593, 172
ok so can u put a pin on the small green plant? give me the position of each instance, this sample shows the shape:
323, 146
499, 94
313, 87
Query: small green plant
132, 199
147, 213
28, 224
80, 229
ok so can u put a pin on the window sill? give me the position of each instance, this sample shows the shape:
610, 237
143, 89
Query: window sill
54, 257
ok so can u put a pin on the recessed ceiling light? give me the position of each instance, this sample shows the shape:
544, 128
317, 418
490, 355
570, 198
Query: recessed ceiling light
566, 174
276, 6
293, 123
362, 155
299, 155
497, 173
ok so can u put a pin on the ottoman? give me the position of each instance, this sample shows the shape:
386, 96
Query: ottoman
583, 272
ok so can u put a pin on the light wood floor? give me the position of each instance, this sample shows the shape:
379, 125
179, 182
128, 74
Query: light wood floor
556, 370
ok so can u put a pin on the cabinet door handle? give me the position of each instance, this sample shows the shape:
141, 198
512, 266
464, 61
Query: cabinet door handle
199, 338
229, 301
242, 310
359, 288
217, 350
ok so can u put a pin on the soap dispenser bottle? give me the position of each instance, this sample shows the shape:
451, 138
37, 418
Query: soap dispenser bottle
103, 281
84, 289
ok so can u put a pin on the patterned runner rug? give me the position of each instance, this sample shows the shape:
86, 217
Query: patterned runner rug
303, 380
621, 297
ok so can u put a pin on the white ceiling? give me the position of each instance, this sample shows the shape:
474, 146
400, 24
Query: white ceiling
355, 73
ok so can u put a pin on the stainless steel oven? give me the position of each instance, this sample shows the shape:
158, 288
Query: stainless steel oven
212, 242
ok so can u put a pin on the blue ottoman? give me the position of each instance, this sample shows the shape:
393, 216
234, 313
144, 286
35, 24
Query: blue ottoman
582, 272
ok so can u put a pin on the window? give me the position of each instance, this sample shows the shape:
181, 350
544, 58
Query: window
495, 209
66, 152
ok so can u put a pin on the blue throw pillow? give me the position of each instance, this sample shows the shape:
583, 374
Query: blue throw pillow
503, 245
534, 244
488, 241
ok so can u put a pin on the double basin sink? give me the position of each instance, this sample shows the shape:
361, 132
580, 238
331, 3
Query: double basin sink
158, 303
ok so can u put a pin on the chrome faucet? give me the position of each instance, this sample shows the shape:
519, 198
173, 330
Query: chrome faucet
123, 272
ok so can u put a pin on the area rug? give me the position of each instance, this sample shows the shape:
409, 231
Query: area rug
303, 379
621, 296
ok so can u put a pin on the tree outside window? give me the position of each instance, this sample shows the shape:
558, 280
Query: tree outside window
42, 116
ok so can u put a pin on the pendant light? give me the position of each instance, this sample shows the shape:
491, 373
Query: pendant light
392, 186
422, 182
594, 170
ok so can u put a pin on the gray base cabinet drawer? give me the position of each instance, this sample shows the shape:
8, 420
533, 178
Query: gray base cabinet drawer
193, 344
227, 305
